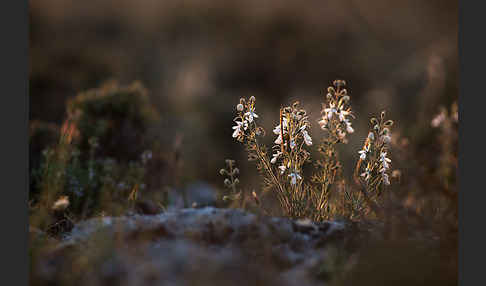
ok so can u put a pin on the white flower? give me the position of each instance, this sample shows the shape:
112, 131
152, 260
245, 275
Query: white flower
251, 114
364, 152
275, 157
386, 138
237, 128
342, 114
278, 140
349, 129
371, 136
294, 176
384, 161
277, 128
329, 111
362, 155
282, 169
307, 138
385, 178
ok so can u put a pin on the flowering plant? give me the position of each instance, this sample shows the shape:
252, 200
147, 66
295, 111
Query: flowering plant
325, 192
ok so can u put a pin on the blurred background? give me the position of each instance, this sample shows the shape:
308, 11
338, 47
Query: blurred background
197, 58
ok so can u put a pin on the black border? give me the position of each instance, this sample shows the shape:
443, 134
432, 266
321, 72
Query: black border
14, 117
472, 196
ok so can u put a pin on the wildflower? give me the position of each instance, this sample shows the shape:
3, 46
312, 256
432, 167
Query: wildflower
61, 204
277, 131
227, 182
342, 114
282, 169
237, 129
362, 155
386, 180
277, 128
307, 138
329, 111
371, 136
386, 138
364, 151
275, 157
349, 129
294, 176
239, 107
251, 114
384, 161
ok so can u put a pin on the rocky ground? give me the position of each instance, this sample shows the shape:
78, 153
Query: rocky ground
203, 246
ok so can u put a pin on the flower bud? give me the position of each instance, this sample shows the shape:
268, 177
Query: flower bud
227, 182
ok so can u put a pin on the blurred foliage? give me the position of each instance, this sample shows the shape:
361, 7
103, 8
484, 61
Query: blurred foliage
100, 161
118, 116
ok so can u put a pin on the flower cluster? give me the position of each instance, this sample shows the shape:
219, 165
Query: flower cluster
336, 112
246, 116
374, 154
292, 134
282, 168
